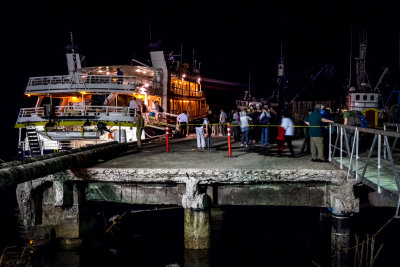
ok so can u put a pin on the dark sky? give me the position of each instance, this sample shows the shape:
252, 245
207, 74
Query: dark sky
231, 38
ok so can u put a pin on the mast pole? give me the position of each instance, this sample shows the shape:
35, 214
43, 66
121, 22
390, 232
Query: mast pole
351, 55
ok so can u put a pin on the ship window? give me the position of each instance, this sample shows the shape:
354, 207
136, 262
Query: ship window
365, 97
372, 97
357, 97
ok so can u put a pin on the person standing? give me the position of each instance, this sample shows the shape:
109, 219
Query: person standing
119, 74
287, 124
316, 140
244, 127
133, 104
326, 114
200, 123
235, 126
209, 118
139, 128
306, 143
183, 122
156, 109
222, 122
265, 119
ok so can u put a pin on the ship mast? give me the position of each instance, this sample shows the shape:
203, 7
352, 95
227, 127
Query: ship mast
363, 84
281, 81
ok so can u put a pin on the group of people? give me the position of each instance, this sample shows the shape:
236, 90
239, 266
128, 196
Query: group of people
247, 126
154, 110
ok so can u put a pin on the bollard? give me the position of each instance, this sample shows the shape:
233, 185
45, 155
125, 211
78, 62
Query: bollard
167, 138
229, 140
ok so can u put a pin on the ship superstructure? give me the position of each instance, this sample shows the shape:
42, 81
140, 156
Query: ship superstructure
362, 96
91, 105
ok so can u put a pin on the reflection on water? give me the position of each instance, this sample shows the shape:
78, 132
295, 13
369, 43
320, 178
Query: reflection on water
240, 236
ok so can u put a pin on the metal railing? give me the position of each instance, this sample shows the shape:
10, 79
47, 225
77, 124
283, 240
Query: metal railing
88, 79
354, 154
79, 111
186, 92
87, 82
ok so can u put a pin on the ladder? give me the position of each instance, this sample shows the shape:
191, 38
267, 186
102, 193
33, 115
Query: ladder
33, 140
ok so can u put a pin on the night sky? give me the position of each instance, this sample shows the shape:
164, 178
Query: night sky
231, 39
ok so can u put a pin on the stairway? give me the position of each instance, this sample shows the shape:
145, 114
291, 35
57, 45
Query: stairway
33, 140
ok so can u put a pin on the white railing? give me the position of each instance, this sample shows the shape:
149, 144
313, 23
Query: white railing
91, 82
348, 151
89, 79
78, 111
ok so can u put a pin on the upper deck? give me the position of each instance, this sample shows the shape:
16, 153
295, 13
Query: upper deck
90, 83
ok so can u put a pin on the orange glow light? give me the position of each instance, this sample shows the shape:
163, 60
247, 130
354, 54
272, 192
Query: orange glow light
28, 95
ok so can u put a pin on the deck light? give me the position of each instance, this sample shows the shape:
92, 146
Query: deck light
108, 73
146, 85
28, 95
184, 75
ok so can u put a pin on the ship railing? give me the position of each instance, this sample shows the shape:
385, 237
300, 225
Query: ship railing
359, 150
88, 81
186, 92
79, 111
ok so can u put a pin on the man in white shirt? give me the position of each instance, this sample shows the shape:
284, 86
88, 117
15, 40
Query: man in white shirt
222, 122
133, 104
183, 122
287, 124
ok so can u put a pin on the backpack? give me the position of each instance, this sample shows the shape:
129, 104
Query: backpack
265, 120
354, 118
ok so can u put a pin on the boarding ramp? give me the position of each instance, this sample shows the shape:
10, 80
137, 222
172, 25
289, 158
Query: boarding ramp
370, 156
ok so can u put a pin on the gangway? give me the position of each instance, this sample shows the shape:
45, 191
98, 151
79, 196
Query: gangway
365, 163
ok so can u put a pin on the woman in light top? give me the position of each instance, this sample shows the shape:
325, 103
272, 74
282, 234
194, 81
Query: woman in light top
287, 124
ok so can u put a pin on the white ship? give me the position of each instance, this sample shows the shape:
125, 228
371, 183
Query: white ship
91, 105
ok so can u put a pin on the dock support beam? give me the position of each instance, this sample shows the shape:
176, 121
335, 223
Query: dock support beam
196, 217
197, 229
340, 239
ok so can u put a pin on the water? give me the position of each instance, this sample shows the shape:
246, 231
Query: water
240, 236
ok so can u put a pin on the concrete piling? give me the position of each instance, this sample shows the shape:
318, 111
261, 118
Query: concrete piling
197, 229
340, 239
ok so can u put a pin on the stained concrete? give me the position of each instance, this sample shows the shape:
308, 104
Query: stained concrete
187, 177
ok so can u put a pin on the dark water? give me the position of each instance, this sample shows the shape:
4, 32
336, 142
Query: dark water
240, 236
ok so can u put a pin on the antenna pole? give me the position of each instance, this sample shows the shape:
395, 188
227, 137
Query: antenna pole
150, 31
351, 55
249, 83
181, 53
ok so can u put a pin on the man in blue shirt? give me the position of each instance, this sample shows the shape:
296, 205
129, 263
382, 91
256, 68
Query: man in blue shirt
315, 120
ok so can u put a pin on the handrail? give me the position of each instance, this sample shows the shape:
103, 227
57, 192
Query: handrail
84, 78
348, 147
79, 110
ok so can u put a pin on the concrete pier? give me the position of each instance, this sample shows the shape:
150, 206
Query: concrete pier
195, 180
197, 229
